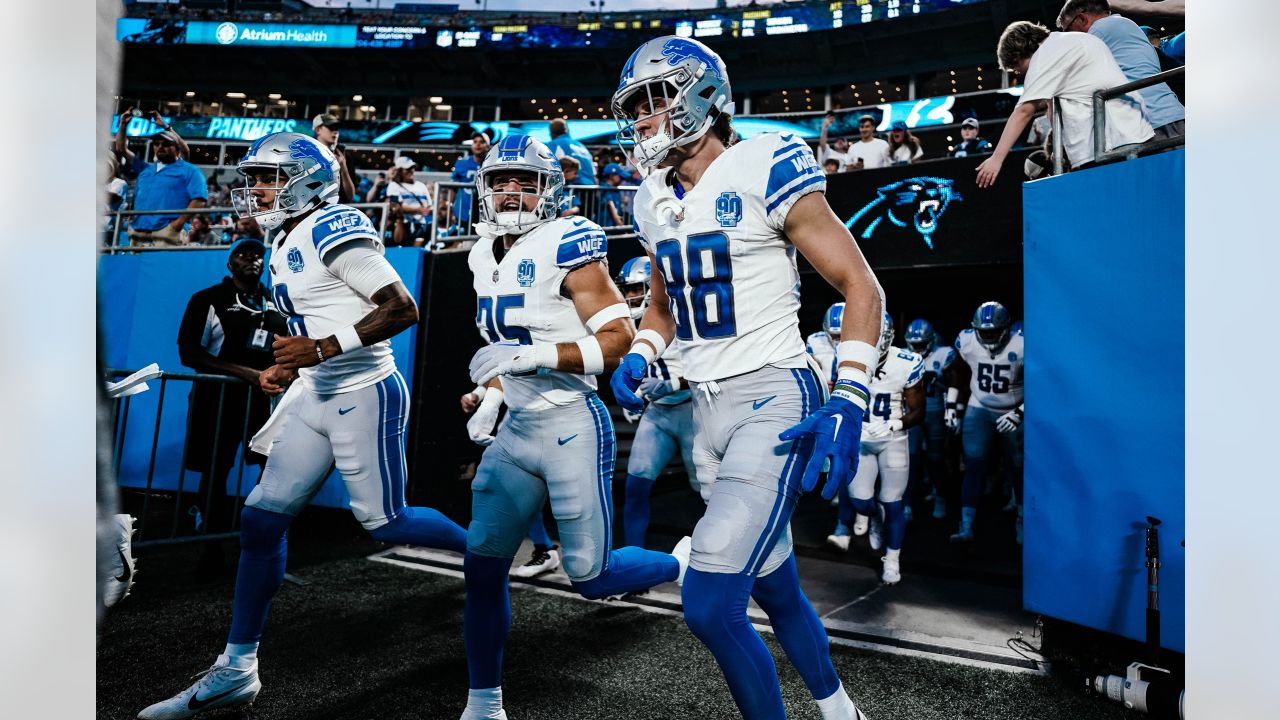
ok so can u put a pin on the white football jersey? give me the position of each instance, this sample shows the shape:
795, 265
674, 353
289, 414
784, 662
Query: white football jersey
729, 270
900, 370
823, 349
318, 303
935, 362
997, 380
666, 367
518, 299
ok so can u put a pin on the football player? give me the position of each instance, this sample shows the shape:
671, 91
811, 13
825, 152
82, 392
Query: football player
346, 404
993, 354
667, 423
897, 404
554, 320
822, 345
722, 223
928, 440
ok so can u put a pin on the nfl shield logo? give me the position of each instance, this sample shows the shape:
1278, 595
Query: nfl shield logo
728, 209
524, 273
495, 275
294, 258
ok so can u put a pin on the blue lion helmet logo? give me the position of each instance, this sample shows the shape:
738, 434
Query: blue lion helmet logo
304, 148
917, 203
678, 49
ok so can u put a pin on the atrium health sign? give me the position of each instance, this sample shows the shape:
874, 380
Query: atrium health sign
275, 34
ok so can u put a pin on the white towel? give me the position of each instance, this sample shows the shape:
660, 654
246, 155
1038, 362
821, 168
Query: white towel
262, 440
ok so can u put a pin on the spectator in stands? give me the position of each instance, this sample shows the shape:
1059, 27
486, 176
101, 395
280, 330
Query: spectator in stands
169, 183
227, 329
904, 148
610, 212
831, 166
411, 205
246, 228
201, 232
970, 143
1133, 53
1150, 8
464, 171
1038, 135
870, 152
1071, 67
563, 145
572, 204
325, 127
838, 150
117, 189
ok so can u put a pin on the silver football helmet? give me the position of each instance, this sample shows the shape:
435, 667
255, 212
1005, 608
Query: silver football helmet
306, 175
635, 273
833, 320
519, 154
693, 81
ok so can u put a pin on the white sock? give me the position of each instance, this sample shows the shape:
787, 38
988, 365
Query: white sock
485, 703
837, 706
239, 655
892, 554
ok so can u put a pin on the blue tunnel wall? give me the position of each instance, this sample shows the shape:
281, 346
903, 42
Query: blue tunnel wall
1104, 286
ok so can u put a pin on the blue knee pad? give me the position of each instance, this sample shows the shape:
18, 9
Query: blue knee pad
715, 609
629, 569
635, 513
895, 524
263, 550
423, 527
798, 627
486, 618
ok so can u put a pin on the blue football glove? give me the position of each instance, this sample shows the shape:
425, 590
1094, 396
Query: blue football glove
626, 380
836, 429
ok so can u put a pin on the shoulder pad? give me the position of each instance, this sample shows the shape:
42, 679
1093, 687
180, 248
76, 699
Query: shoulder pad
337, 224
581, 242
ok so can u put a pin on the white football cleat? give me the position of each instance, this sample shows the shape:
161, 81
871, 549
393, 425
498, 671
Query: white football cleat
860, 525
681, 553
839, 542
876, 525
218, 687
892, 572
541, 563
120, 569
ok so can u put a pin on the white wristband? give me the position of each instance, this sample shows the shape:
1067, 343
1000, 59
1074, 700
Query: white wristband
480, 391
616, 311
592, 356
545, 355
859, 352
348, 339
650, 338
953, 395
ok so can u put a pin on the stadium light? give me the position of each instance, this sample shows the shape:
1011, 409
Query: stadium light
357, 98
191, 93
434, 99
235, 95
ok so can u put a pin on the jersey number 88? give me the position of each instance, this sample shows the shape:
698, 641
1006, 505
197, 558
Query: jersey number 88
709, 300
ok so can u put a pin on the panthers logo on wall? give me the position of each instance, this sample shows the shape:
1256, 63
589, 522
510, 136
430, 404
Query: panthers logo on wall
916, 203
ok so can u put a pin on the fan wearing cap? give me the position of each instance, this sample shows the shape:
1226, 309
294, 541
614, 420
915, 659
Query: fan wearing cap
411, 204
325, 127
611, 203
169, 183
971, 144
227, 330
904, 148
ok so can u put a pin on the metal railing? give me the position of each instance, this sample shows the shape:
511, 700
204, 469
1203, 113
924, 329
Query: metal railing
589, 201
183, 525
1127, 152
112, 245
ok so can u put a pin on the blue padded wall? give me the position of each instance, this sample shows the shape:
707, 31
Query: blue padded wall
1104, 266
